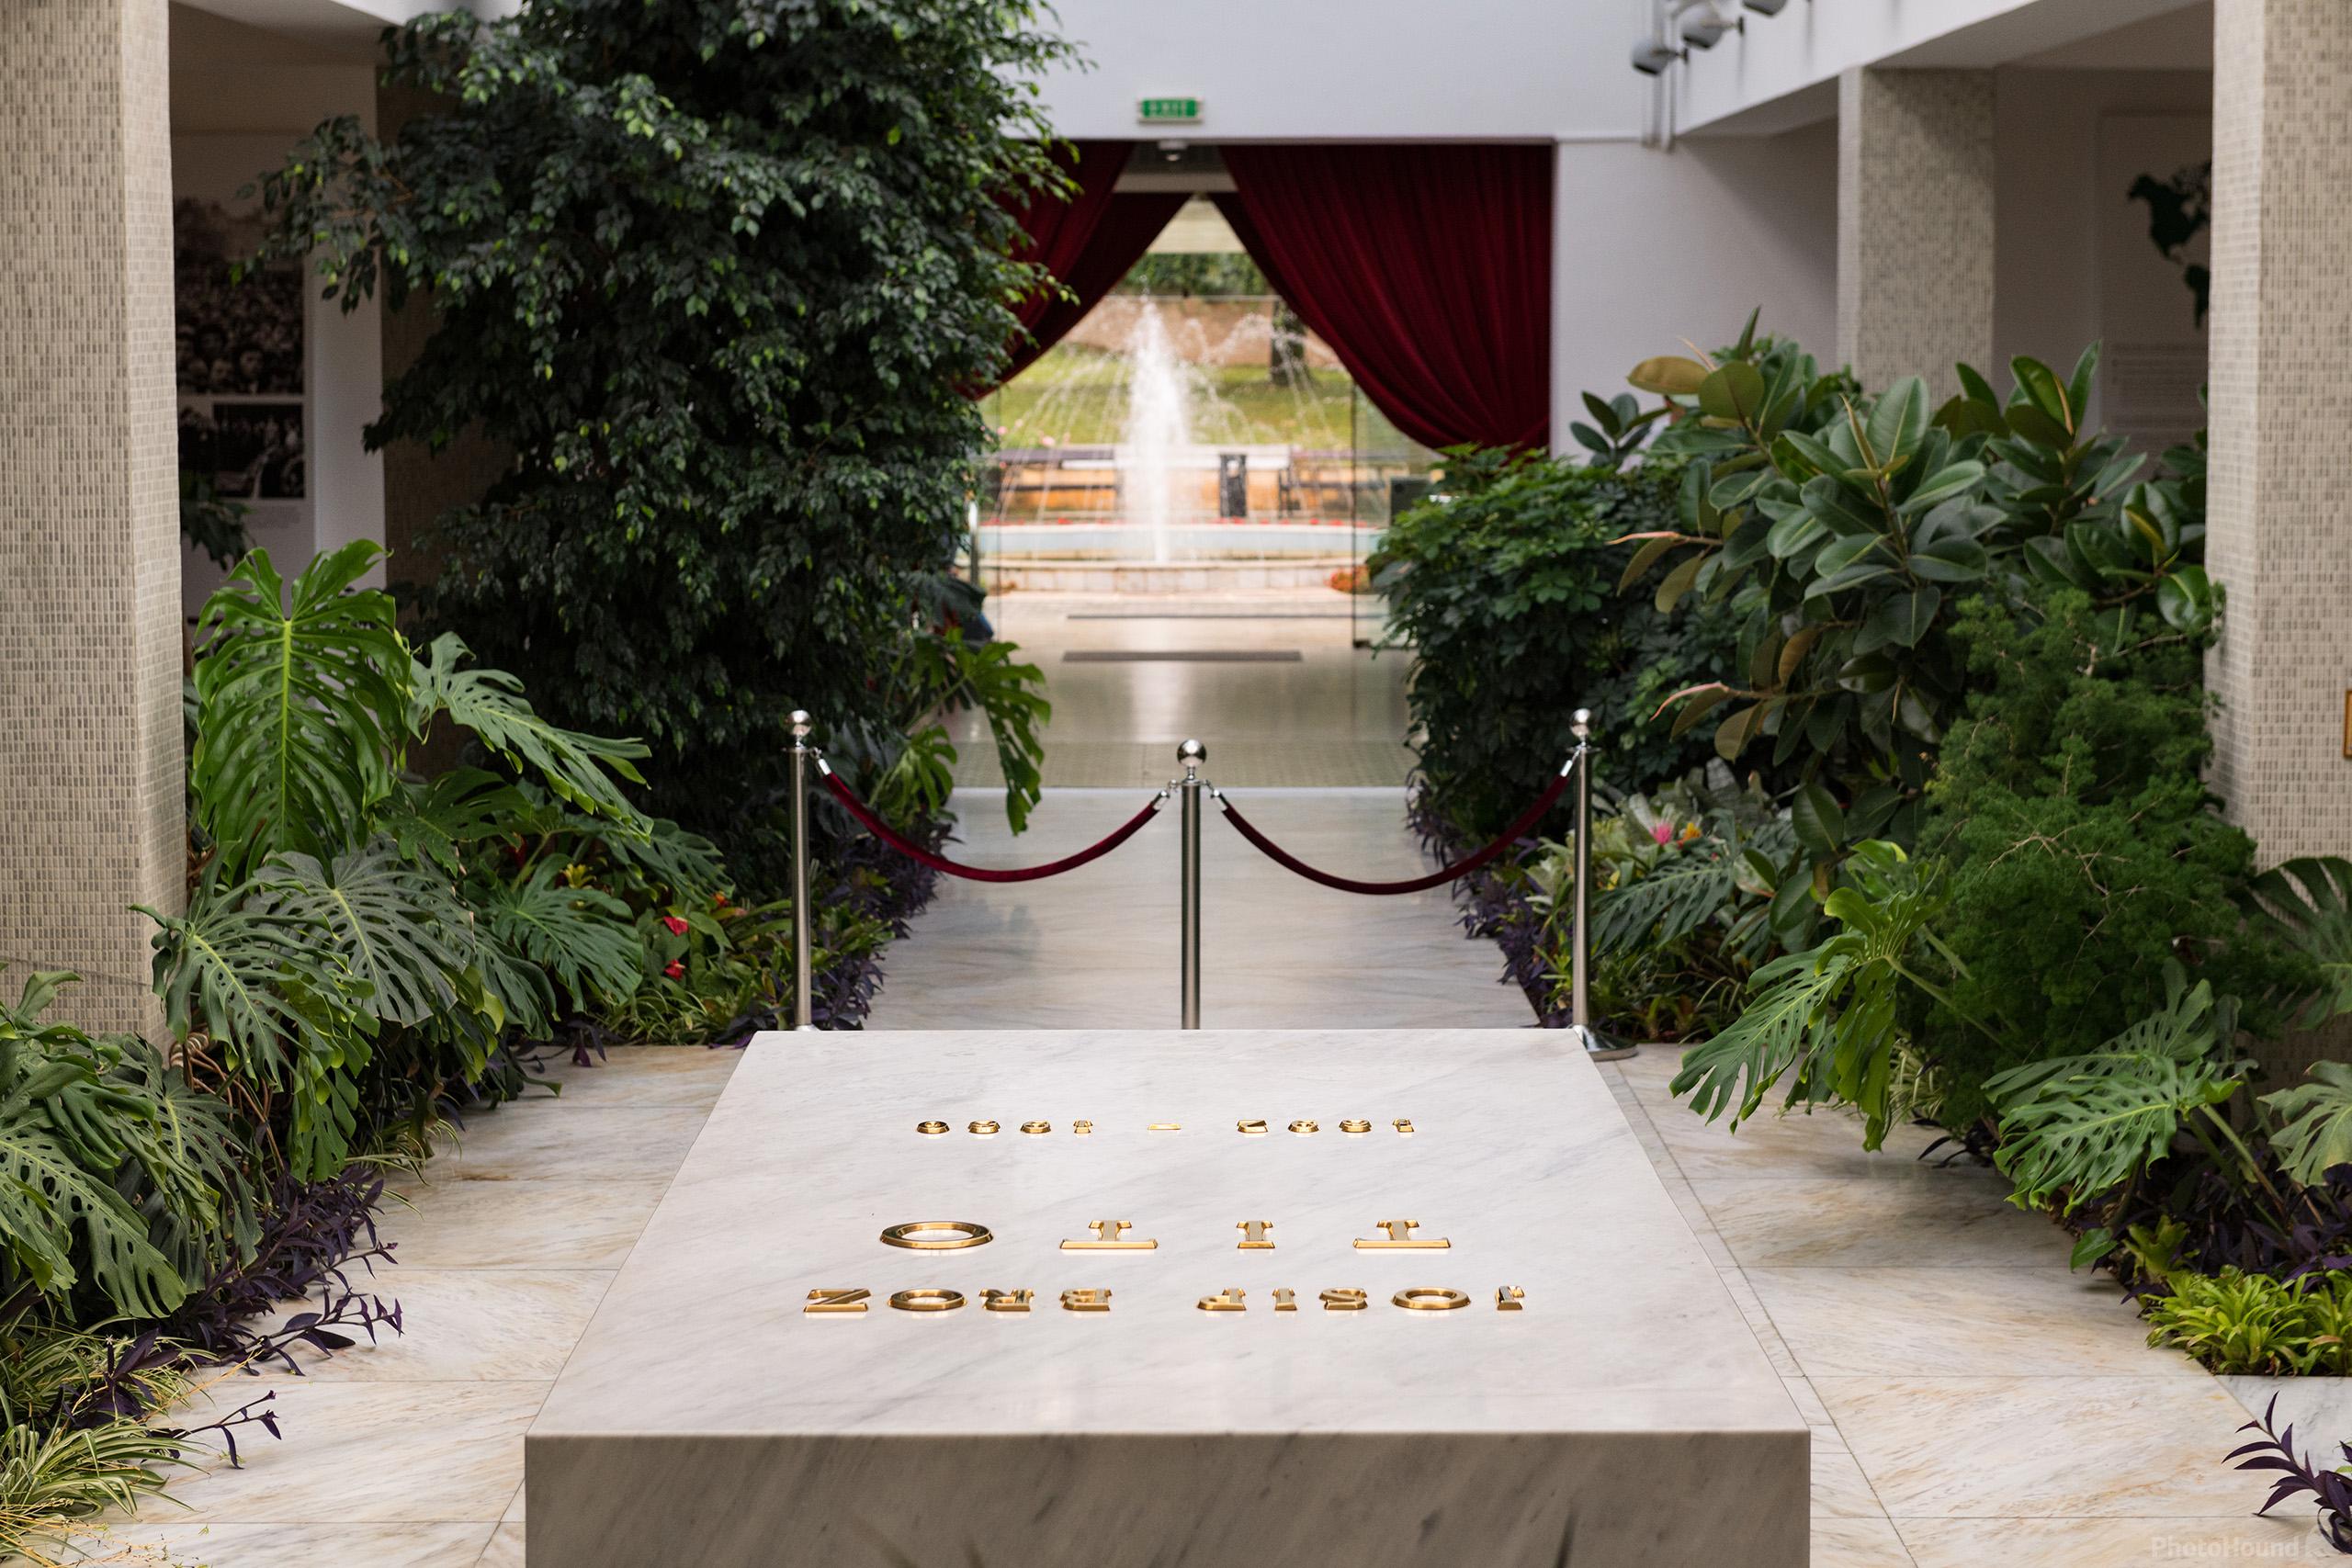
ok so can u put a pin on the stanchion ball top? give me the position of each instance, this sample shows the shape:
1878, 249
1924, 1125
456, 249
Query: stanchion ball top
1192, 752
799, 721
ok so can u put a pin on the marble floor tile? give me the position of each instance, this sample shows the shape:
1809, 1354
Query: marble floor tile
2114, 1543
1760, 1323
2319, 1410
1959, 1322
1824, 1144
506, 1548
642, 1075
499, 1324
1809, 1405
520, 1142
222, 1544
1855, 1543
1839, 1488
446, 1223
1951, 1219
365, 1453
2118, 1448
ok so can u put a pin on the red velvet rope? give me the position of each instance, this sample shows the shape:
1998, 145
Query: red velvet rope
1511, 835
914, 851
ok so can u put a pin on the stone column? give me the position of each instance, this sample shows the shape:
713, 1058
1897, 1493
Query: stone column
1914, 224
90, 631
2279, 497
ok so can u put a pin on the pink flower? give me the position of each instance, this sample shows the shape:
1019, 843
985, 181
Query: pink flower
677, 927
1661, 832
675, 970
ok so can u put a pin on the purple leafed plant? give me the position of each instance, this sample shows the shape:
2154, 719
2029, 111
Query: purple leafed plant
2330, 1489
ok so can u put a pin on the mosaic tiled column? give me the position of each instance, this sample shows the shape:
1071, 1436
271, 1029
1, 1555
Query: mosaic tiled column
1914, 224
2281, 492
90, 638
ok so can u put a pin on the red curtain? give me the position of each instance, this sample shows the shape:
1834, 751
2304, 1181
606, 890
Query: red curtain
1427, 268
1087, 243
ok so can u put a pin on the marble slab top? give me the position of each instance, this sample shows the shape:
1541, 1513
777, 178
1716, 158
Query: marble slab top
1518, 1157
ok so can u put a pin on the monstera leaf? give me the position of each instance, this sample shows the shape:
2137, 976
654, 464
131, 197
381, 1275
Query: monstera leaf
300, 712
1824, 1018
582, 937
2315, 1131
2308, 902
63, 1121
2083, 1126
396, 928
580, 768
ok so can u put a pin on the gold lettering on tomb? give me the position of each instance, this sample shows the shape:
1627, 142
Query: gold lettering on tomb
1035, 1128
1354, 1125
1007, 1301
1510, 1298
983, 1128
1346, 1301
927, 1300
1400, 1237
1404, 1125
1304, 1125
937, 1235
1229, 1300
1429, 1298
1253, 1236
1255, 1128
1110, 1236
1165, 1127
1285, 1300
931, 1129
1086, 1300
1081, 1128
836, 1301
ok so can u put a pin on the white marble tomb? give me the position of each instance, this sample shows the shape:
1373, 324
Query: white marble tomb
1622, 1415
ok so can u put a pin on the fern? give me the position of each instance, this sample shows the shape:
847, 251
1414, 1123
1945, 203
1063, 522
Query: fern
299, 712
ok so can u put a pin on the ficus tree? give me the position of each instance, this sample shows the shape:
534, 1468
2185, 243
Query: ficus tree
721, 276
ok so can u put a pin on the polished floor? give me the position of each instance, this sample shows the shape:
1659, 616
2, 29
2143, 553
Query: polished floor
1972, 1402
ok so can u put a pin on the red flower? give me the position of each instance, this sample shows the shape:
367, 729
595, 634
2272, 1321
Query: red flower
677, 927
719, 899
675, 970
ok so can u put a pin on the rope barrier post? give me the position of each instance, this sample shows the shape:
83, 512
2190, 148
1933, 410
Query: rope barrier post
1191, 754
1599, 1047
804, 1012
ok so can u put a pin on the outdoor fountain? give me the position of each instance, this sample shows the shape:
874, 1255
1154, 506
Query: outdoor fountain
1164, 441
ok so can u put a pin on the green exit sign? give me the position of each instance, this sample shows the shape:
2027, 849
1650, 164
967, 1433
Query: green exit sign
1168, 111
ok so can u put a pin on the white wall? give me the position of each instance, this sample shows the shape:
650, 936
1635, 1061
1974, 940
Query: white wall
2055, 210
1653, 248
1809, 44
1354, 69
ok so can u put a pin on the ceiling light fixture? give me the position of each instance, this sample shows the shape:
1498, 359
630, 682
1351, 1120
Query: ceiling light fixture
1704, 28
1766, 8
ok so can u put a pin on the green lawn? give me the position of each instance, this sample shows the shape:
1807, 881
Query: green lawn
1077, 396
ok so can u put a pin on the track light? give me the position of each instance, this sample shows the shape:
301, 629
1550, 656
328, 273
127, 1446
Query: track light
1651, 58
1705, 29
1766, 8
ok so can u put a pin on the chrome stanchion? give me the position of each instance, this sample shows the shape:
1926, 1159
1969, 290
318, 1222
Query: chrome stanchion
1599, 1047
1191, 754
804, 1012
